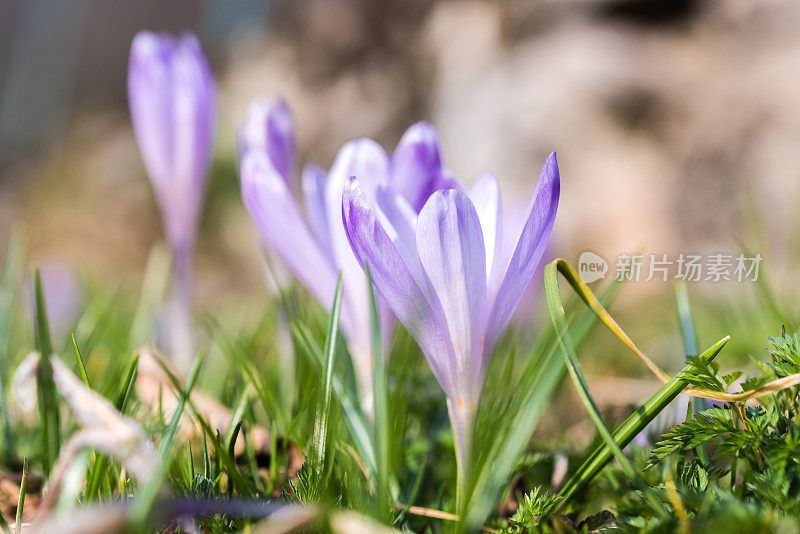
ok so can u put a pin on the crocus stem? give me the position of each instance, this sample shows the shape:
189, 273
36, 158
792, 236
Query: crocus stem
365, 376
180, 319
462, 418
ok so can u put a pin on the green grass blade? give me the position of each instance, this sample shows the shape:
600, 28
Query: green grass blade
414, 490
81, 366
221, 455
190, 461
23, 485
242, 361
631, 427
233, 433
323, 411
154, 287
98, 471
685, 316
166, 441
493, 476
46, 389
128, 383
241, 484
689, 344
206, 457
767, 293
238, 413
542, 374
147, 496
380, 409
353, 416
12, 272
556, 309
96, 317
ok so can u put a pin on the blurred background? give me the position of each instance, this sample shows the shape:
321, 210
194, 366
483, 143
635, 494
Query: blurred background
676, 122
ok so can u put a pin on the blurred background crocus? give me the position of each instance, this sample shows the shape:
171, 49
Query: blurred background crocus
451, 281
64, 297
269, 126
313, 245
172, 99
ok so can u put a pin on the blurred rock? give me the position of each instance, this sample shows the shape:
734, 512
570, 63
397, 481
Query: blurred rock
668, 121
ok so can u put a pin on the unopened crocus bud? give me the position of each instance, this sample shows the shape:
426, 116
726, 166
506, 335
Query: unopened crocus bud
172, 99
63, 296
270, 126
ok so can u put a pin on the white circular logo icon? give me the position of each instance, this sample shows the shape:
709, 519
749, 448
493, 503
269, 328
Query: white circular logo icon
591, 267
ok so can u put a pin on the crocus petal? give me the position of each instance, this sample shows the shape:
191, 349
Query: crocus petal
270, 126
451, 249
281, 224
194, 100
392, 278
314, 199
173, 102
528, 252
363, 158
366, 159
485, 195
445, 180
150, 100
399, 220
416, 164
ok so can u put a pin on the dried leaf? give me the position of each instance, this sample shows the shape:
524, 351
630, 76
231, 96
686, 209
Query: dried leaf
103, 428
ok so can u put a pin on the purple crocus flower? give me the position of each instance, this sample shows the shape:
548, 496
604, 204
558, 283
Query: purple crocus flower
64, 296
172, 99
270, 126
311, 240
450, 281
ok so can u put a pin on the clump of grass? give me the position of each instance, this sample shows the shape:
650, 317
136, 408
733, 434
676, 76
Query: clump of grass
290, 440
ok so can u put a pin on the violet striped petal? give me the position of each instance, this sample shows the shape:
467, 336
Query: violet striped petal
445, 180
281, 225
366, 159
270, 126
400, 222
314, 199
392, 278
528, 252
451, 250
363, 158
416, 164
485, 195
